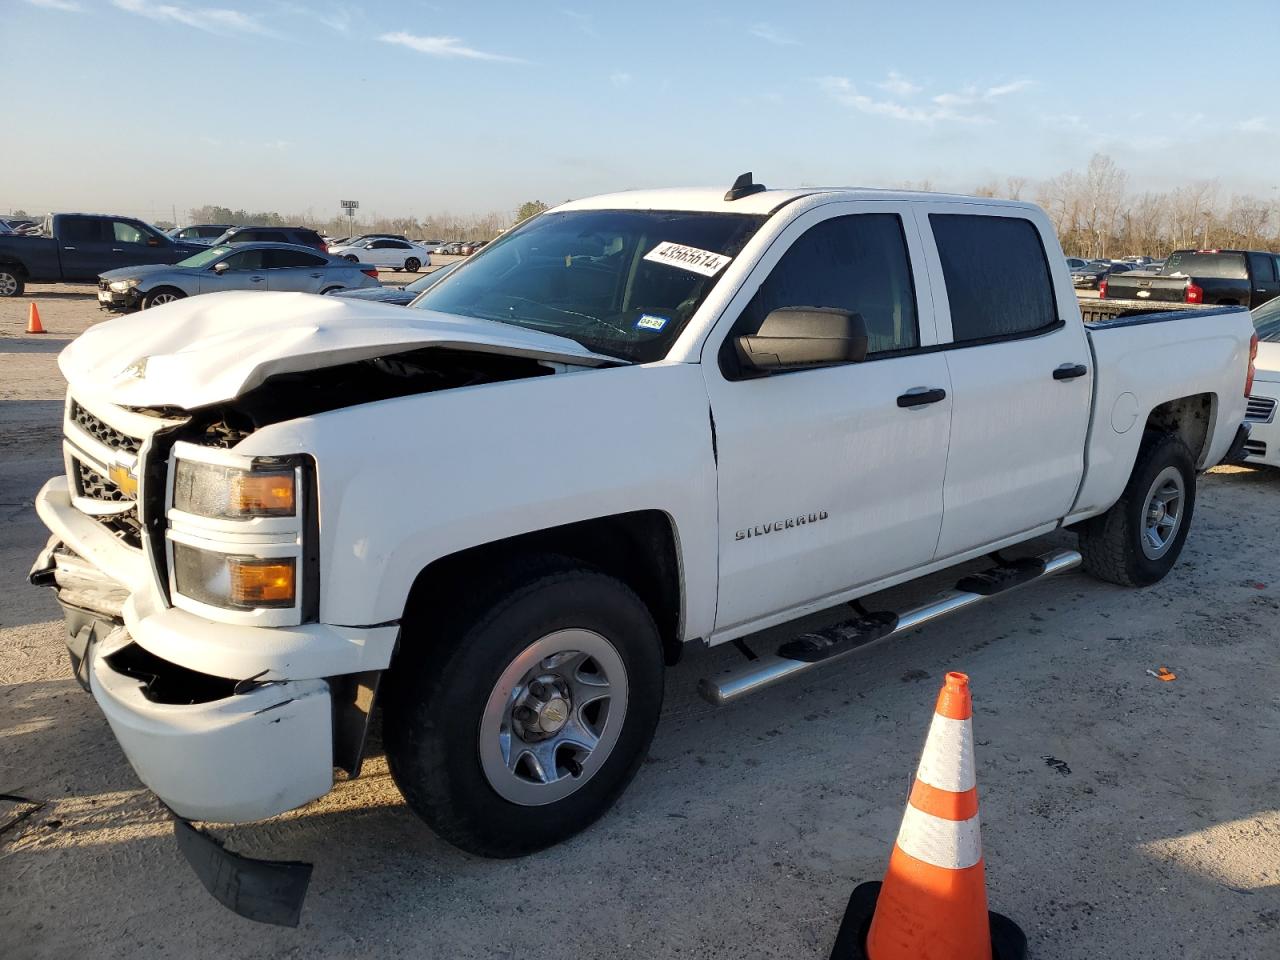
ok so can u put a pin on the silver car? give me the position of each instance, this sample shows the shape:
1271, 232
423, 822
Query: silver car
244, 266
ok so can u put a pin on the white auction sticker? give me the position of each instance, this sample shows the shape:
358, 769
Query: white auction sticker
688, 258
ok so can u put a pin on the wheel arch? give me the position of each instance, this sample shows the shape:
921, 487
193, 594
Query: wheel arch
639, 548
17, 266
1191, 418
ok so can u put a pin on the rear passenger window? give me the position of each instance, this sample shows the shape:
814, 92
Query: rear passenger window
857, 263
276, 259
997, 276
1264, 268
80, 229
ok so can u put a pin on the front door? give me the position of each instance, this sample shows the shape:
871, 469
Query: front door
1020, 367
244, 271
829, 478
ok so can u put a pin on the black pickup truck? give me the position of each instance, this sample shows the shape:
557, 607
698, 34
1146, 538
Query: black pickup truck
1244, 278
76, 247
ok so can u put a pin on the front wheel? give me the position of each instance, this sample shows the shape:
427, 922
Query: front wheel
161, 296
11, 282
1138, 540
522, 721
412, 264
351, 256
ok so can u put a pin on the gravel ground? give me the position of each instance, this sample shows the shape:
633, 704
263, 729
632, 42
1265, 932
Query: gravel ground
1157, 836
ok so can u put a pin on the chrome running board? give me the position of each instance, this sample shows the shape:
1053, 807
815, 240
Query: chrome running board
754, 675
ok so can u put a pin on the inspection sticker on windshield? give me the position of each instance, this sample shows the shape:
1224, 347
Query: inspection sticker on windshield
648, 321
688, 258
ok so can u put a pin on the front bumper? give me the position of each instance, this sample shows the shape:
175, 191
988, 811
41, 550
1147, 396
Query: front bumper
1263, 446
115, 302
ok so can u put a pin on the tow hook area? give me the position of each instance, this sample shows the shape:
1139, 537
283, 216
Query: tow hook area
266, 891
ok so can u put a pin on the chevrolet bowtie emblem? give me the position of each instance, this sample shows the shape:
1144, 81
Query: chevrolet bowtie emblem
123, 477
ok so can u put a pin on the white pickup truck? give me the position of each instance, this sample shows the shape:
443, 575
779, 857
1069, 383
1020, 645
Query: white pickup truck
635, 423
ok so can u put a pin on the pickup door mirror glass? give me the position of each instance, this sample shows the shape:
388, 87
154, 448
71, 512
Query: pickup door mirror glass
795, 337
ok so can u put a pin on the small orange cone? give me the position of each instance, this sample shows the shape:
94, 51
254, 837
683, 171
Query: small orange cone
933, 902
33, 319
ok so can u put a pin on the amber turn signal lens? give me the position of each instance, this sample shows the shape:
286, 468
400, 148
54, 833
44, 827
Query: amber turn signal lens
260, 583
263, 493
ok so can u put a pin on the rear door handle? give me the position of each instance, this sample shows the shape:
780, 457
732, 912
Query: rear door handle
1069, 371
317, 276
920, 396
255, 279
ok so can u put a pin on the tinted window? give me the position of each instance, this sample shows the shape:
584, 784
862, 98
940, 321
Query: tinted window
278, 236
1263, 266
1217, 266
245, 260
276, 259
857, 263
996, 274
383, 245
80, 229
246, 236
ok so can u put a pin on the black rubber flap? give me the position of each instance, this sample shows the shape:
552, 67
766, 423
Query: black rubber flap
839, 638
1003, 577
1008, 942
268, 891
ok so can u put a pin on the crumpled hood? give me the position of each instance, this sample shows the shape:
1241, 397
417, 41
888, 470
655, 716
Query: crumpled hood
138, 272
212, 348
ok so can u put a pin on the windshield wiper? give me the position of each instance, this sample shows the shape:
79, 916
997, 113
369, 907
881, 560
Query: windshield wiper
568, 313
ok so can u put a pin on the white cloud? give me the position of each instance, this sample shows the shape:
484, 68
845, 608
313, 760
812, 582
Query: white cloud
620, 79
338, 18
842, 90
898, 85
69, 6
443, 47
213, 19
971, 94
1005, 89
1253, 125
770, 34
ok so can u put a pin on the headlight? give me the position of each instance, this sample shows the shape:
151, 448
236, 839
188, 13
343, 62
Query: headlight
123, 286
238, 582
232, 493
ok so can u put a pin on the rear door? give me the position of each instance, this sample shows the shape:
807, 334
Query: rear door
295, 271
1262, 273
85, 247
1020, 369
829, 478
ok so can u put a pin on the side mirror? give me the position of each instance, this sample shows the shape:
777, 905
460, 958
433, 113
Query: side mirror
368, 246
794, 337
221, 266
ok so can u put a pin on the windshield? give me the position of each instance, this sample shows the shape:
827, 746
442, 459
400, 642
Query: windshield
1218, 266
1266, 320
204, 257
431, 279
619, 282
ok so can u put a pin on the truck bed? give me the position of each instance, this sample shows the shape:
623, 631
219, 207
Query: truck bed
1102, 314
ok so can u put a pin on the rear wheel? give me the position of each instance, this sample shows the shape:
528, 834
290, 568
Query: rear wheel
12, 283
1138, 540
521, 721
160, 296
412, 264
351, 256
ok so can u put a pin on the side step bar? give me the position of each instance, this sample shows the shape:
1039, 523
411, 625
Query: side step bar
868, 630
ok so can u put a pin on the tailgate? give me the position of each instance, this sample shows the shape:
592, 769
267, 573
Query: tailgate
1139, 286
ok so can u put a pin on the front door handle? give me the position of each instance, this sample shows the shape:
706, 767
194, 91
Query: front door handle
1070, 371
255, 279
920, 396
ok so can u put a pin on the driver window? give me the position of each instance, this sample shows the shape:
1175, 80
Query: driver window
244, 260
127, 233
857, 263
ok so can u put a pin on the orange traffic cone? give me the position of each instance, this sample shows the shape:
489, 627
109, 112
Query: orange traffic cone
933, 902
33, 319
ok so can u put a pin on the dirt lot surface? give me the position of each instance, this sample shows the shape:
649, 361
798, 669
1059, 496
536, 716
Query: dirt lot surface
1124, 816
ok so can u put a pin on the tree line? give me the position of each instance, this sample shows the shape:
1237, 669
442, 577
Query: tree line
1094, 211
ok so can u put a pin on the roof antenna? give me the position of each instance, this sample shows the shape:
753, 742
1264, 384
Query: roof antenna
743, 187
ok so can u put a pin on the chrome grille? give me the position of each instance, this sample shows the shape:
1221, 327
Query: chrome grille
1260, 410
90, 483
102, 432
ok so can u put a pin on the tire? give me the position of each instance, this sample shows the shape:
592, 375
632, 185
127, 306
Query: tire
160, 296
412, 264
328, 290
457, 683
351, 256
12, 282
1119, 545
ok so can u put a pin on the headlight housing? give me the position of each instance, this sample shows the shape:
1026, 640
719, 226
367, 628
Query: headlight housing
122, 286
242, 536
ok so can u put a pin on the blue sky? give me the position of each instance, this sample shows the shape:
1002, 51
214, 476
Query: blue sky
416, 107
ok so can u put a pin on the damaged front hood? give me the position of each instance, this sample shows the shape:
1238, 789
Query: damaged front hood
212, 348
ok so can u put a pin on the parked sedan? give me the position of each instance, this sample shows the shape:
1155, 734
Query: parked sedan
401, 296
1263, 446
201, 232
245, 266
1090, 276
386, 252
